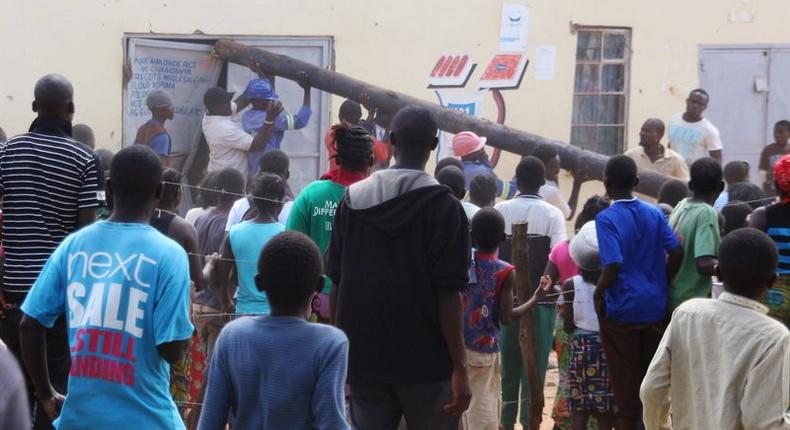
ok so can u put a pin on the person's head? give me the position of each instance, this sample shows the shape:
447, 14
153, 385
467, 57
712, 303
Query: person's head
530, 175
161, 105
584, 252
551, 161
488, 230
706, 179
171, 189
136, 179
735, 214
3, 136
413, 135
453, 178
482, 190
782, 178
353, 148
350, 112
469, 146
672, 192
54, 96
592, 207
229, 184
782, 132
105, 159
749, 193
735, 172
207, 194
651, 133
447, 161
747, 262
620, 177
268, 194
290, 272
217, 101
697, 102
261, 93
84, 134
277, 162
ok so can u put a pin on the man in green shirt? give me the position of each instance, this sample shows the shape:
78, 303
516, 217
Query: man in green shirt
313, 211
696, 225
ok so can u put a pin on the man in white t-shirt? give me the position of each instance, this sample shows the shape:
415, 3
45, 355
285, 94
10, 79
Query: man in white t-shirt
690, 134
227, 141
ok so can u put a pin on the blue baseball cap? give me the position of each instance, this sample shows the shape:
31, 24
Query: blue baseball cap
260, 89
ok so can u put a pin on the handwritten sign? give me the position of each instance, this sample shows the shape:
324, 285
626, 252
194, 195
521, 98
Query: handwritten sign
185, 71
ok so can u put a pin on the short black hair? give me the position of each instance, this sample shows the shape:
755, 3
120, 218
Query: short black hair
275, 161
735, 213
545, 153
592, 207
350, 111
229, 186
289, 269
171, 188
620, 173
268, 192
749, 193
736, 171
530, 173
488, 229
747, 261
105, 158
706, 176
415, 129
700, 91
783, 123
136, 175
84, 134
447, 161
353, 146
53, 93
482, 189
672, 192
453, 178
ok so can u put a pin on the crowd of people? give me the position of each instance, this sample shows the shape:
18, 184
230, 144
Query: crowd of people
384, 297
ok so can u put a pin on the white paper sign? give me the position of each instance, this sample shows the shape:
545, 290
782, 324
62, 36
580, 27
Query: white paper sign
470, 103
513, 28
545, 57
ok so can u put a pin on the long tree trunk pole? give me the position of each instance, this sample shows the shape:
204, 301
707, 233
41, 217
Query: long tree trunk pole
527, 336
389, 102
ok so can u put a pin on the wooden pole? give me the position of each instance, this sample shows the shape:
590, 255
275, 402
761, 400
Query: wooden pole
389, 102
527, 337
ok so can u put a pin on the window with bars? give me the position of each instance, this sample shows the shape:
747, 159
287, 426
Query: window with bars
600, 90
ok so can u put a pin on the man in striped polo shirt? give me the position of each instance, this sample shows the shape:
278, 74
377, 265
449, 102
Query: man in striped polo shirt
49, 187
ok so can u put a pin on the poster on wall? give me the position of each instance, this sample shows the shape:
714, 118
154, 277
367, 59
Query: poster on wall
545, 58
185, 71
470, 103
513, 28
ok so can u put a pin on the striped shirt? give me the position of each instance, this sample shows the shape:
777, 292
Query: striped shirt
46, 177
778, 227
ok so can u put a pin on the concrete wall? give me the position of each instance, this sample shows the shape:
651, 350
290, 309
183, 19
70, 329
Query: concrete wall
393, 44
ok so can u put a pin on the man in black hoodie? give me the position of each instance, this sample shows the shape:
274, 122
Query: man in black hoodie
398, 258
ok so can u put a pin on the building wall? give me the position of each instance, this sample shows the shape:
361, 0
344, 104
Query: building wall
393, 44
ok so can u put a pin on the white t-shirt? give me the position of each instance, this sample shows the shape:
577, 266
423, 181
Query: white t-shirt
228, 143
551, 193
242, 205
470, 209
542, 218
693, 140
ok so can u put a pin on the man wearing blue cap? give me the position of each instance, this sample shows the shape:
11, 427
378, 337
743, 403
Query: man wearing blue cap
153, 134
261, 94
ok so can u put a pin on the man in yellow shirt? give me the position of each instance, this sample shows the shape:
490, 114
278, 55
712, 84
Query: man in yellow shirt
653, 156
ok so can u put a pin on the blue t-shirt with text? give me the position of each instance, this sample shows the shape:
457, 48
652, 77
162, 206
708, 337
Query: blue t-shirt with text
637, 236
124, 290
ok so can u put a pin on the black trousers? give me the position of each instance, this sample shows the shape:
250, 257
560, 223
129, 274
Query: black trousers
58, 358
382, 406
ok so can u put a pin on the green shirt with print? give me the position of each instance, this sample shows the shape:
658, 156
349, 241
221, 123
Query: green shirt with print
696, 226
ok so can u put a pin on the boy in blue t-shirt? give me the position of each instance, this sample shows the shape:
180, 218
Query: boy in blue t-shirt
124, 289
280, 371
631, 296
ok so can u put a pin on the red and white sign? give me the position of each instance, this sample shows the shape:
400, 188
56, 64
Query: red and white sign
451, 71
504, 71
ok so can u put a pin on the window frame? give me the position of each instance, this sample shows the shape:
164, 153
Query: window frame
600, 63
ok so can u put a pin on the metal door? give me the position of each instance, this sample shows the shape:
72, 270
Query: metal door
737, 81
778, 88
